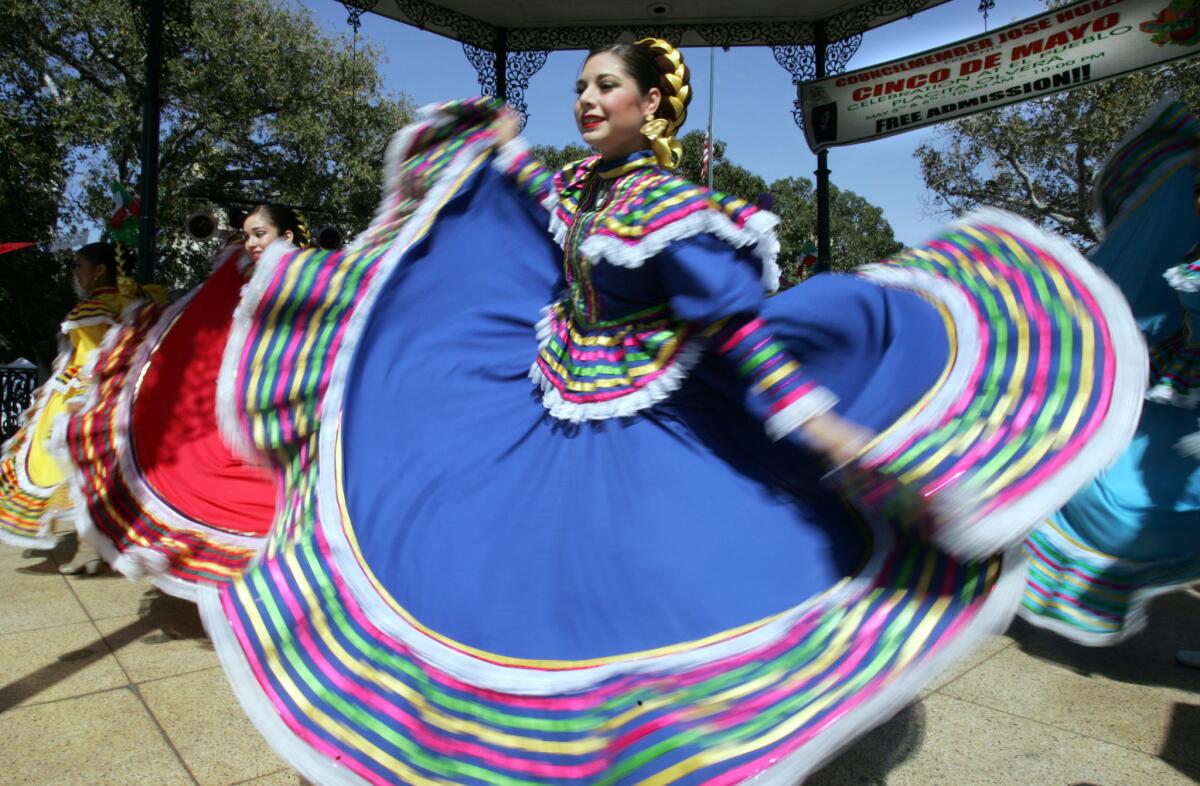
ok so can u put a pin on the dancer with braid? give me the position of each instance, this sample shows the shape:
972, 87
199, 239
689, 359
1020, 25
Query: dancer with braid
33, 496
559, 480
160, 494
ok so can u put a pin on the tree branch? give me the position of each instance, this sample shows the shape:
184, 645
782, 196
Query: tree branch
176, 145
86, 72
1027, 179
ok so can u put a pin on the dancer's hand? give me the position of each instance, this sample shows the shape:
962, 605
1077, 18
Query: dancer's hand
838, 439
931, 515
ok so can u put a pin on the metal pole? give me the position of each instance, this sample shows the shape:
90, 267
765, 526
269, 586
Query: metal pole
151, 106
824, 250
502, 64
712, 82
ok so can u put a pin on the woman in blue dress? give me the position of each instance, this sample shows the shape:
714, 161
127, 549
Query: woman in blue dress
556, 505
1134, 532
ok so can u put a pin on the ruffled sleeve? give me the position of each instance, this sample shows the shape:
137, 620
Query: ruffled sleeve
1175, 362
84, 328
528, 174
720, 288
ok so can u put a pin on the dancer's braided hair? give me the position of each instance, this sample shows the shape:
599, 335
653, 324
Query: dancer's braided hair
675, 82
653, 62
300, 235
125, 260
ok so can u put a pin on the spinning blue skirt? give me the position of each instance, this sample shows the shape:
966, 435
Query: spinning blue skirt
547, 513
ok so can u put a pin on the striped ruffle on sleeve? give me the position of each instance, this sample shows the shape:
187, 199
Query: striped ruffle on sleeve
779, 393
531, 178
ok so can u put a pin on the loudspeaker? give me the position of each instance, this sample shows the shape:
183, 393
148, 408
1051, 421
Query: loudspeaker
201, 225
328, 237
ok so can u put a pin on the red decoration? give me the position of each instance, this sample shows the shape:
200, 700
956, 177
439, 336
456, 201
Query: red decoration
6, 247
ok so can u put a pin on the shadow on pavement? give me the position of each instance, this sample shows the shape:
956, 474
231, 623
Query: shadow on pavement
1179, 749
1147, 658
870, 759
161, 618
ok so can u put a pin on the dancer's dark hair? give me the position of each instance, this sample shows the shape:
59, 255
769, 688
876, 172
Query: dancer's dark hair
284, 219
102, 254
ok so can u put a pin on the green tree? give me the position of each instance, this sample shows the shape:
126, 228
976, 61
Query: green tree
728, 177
256, 104
859, 234
34, 291
554, 158
1039, 159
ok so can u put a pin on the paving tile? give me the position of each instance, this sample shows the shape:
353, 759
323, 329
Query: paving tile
150, 651
55, 663
282, 778
1115, 700
112, 595
105, 738
12, 558
21, 573
36, 600
207, 726
871, 758
38, 560
990, 646
947, 741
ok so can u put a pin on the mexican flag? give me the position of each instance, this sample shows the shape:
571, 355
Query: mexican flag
808, 255
123, 223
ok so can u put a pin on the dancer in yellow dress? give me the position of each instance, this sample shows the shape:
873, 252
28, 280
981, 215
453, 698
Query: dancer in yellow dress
32, 493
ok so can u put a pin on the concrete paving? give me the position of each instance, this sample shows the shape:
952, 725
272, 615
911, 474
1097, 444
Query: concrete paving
104, 681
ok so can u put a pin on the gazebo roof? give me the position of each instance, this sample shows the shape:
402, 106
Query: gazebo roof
526, 25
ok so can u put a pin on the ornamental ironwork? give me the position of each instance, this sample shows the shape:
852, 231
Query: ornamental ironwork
484, 63
984, 7
838, 53
801, 63
480, 34
858, 20
799, 60
355, 9
17, 386
466, 29
722, 35
519, 68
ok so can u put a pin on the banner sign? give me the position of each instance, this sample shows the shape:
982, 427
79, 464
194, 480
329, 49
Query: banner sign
1061, 49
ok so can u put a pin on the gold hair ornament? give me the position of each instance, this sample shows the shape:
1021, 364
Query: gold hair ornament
301, 224
125, 283
654, 127
678, 94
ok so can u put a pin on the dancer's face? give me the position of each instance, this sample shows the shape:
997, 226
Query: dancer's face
610, 108
87, 275
260, 233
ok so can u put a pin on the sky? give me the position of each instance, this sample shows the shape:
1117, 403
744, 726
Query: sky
753, 98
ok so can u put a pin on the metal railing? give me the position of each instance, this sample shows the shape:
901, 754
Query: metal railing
16, 394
